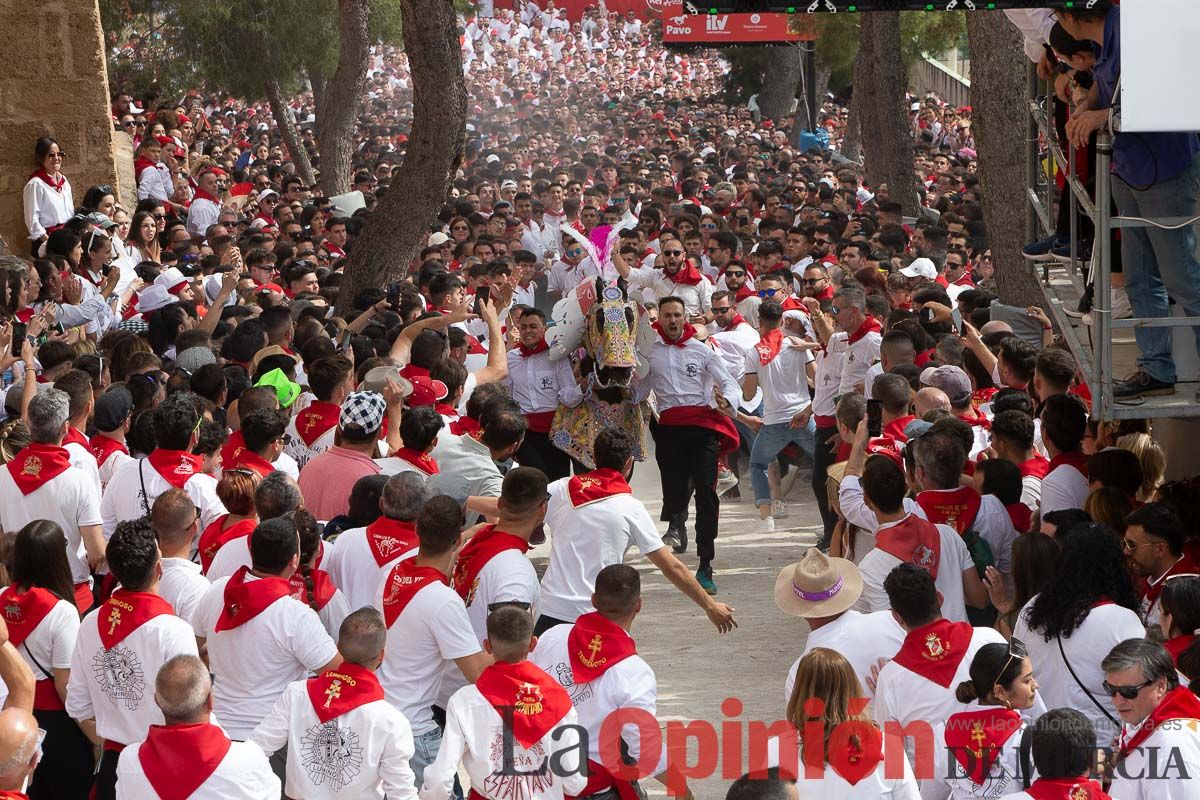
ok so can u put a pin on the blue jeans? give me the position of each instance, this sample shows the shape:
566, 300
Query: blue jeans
425, 750
1159, 263
743, 429
768, 444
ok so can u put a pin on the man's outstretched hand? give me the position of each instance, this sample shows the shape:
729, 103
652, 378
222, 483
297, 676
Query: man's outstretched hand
721, 615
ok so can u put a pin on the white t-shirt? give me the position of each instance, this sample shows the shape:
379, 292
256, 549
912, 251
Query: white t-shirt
253, 663
232, 556
69, 499
123, 498
52, 642
1063, 487
1172, 751
784, 382
182, 586
868, 641
949, 778
953, 560
82, 457
584, 541
244, 774
431, 630
353, 569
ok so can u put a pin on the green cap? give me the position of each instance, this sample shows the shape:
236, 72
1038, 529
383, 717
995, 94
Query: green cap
286, 389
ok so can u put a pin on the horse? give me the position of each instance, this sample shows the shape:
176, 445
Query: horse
610, 340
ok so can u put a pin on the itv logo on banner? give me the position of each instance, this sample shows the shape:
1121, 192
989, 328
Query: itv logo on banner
715, 24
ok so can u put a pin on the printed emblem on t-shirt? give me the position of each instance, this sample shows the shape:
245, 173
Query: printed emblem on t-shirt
331, 755
119, 674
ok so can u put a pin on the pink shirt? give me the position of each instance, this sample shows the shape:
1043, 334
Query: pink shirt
327, 479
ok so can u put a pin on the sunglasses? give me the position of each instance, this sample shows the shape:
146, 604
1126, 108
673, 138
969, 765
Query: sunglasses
1016, 649
812, 281
1130, 546
722, 310
734, 273
672, 252
768, 292
1128, 692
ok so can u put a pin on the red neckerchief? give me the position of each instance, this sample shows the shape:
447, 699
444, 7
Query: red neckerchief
313, 422
55, 184
1184, 566
924, 357
25, 314
792, 304
957, 508
76, 437
103, 446
595, 645
895, 428
964, 280
216, 536
390, 538
913, 541
824, 294
37, 465
981, 396
687, 275
422, 461
742, 293
475, 554
334, 250
870, 325
976, 420
446, 410
5, 794
1036, 467
1180, 703
176, 467
1021, 516
1082, 788
403, 583
323, 589
124, 612
203, 195
540, 347
248, 459
734, 321
1076, 458
24, 611
464, 425
178, 759
1175, 646
934, 651
233, 447
140, 165
769, 346
599, 484
244, 600
339, 691
538, 702
689, 330
975, 738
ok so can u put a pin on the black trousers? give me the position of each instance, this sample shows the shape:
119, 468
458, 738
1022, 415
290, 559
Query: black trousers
538, 452
823, 456
687, 462
105, 786
65, 771
545, 623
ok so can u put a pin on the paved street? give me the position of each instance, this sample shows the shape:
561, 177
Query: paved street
697, 668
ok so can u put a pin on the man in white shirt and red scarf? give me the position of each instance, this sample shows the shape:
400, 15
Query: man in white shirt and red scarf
862, 334
1063, 752
205, 209
596, 661
119, 650
189, 756
1155, 541
515, 730
540, 385
112, 418
678, 278
78, 386
1064, 424
342, 738
1158, 752
419, 430
917, 687
331, 380
688, 378
428, 626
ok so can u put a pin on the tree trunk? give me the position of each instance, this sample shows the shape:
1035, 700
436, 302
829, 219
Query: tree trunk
998, 92
852, 142
291, 135
780, 82
339, 98
396, 229
879, 98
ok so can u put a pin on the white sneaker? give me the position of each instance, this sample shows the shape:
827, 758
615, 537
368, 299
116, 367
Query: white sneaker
725, 481
765, 526
779, 509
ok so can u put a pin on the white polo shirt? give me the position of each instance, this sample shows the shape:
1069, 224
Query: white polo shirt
353, 568
953, 560
244, 774
539, 384
69, 499
182, 586
123, 498
868, 641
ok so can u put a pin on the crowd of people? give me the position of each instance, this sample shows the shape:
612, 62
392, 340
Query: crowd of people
256, 549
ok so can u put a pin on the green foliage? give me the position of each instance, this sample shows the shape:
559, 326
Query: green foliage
920, 33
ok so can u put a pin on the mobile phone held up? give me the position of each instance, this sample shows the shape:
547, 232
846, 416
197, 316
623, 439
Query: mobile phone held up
874, 418
393, 295
482, 295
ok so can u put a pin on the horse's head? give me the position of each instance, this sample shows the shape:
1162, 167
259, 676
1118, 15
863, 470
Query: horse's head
611, 335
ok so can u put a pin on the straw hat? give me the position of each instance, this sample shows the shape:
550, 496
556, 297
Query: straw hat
818, 586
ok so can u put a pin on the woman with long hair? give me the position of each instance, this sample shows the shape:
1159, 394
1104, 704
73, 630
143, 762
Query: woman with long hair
143, 238
1087, 608
1108, 505
99, 199
14, 437
47, 194
311, 585
1180, 623
1034, 560
826, 690
39, 609
1152, 458
977, 750
235, 490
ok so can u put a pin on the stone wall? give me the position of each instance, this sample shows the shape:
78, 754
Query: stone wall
53, 82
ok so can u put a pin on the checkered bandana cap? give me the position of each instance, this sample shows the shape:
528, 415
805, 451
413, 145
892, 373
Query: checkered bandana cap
363, 410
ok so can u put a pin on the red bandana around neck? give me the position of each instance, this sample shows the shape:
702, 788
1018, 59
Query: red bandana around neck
599, 484
1021, 516
37, 465
689, 330
895, 428
1180, 703
913, 541
595, 645
1082, 788
315, 421
976, 738
403, 583
422, 461
75, 436
124, 612
956, 508
178, 759
464, 425
768, 346
56, 183
1076, 459
734, 321
339, 691
248, 459
446, 410
1175, 647
176, 467
388, 539
540, 347
203, 195
475, 554
934, 651
245, 600
687, 275
1036, 467
870, 325
1184, 566
103, 447
538, 702
216, 536
743, 293
323, 589
24, 611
